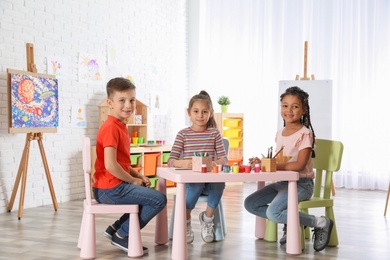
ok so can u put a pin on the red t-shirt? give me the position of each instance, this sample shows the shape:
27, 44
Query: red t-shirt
113, 133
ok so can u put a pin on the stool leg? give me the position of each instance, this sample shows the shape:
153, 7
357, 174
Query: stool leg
219, 224
81, 234
171, 223
271, 231
88, 249
135, 241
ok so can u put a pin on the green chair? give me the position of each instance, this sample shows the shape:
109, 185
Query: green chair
328, 160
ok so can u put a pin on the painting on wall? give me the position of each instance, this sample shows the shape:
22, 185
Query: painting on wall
57, 66
158, 103
32, 102
91, 68
79, 118
112, 53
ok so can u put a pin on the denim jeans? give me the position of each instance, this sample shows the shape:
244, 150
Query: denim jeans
150, 202
213, 190
271, 201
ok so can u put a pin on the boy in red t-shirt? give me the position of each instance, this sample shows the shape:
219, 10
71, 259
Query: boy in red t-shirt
116, 182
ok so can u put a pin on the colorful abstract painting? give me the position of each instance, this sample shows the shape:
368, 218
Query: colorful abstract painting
34, 101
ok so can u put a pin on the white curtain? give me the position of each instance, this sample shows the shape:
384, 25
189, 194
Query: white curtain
247, 46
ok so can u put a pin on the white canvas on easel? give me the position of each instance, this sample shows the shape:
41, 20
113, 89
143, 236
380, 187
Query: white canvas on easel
320, 101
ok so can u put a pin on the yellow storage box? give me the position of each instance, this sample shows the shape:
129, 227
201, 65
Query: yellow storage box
234, 143
231, 122
232, 133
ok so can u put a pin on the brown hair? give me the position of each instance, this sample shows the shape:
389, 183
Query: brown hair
118, 85
204, 96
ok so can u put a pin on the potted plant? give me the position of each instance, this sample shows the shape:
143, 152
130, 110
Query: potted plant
224, 101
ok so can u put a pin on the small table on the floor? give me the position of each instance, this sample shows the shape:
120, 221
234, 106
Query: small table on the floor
181, 177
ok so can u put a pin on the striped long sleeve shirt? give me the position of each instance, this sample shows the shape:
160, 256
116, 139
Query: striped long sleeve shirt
188, 142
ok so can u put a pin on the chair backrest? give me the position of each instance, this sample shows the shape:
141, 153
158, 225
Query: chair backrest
226, 145
328, 159
87, 169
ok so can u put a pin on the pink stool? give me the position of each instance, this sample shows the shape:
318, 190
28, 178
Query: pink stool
87, 236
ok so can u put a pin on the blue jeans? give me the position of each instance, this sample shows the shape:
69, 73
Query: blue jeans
150, 202
213, 190
271, 201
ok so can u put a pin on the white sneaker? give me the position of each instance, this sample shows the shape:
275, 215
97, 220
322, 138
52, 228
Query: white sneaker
190, 234
207, 229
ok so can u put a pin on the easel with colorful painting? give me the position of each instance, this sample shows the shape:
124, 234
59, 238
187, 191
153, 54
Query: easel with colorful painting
30, 95
312, 78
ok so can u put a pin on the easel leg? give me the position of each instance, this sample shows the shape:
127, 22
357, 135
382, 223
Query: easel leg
24, 181
22, 174
21, 171
48, 177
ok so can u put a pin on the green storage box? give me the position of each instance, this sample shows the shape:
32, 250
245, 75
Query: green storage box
134, 158
165, 157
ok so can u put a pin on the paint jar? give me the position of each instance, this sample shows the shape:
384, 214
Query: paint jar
219, 167
215, 169
235, 168
257, 167
135, 140
226, 168
134, 134
247, 168
204, 168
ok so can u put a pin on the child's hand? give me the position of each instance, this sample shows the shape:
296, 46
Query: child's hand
146, 181
138, 181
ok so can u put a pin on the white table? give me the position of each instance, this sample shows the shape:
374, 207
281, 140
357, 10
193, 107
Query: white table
181, 177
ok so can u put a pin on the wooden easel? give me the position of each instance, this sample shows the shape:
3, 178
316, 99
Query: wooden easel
305, 66
312, 78
23, 166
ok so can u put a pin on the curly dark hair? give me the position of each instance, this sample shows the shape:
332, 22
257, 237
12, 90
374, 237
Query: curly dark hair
304, 98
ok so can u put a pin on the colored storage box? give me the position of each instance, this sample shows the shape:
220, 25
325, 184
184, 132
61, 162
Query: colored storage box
150, 163
231, 162
153, 182
134, 158
234, 143
231, 122
232, 133
165, 157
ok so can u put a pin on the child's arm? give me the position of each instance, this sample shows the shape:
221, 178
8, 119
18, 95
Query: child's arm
298, 165
115, 169
138, 175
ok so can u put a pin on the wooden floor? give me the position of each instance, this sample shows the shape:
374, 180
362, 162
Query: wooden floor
43, 233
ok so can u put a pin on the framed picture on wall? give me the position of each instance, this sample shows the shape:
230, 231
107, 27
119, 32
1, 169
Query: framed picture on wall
32, 102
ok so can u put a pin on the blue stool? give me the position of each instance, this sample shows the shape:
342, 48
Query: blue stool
219, 220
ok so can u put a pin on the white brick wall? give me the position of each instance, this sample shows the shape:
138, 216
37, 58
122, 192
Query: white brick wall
151, 41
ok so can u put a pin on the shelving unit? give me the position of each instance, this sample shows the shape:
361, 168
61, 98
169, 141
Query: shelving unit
144, 158
231, 126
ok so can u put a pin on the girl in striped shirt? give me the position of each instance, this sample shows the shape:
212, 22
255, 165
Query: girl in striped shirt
201, 137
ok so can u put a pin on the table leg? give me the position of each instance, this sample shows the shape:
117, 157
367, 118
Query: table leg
179, 241
293, 245
260, 223
161, 229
